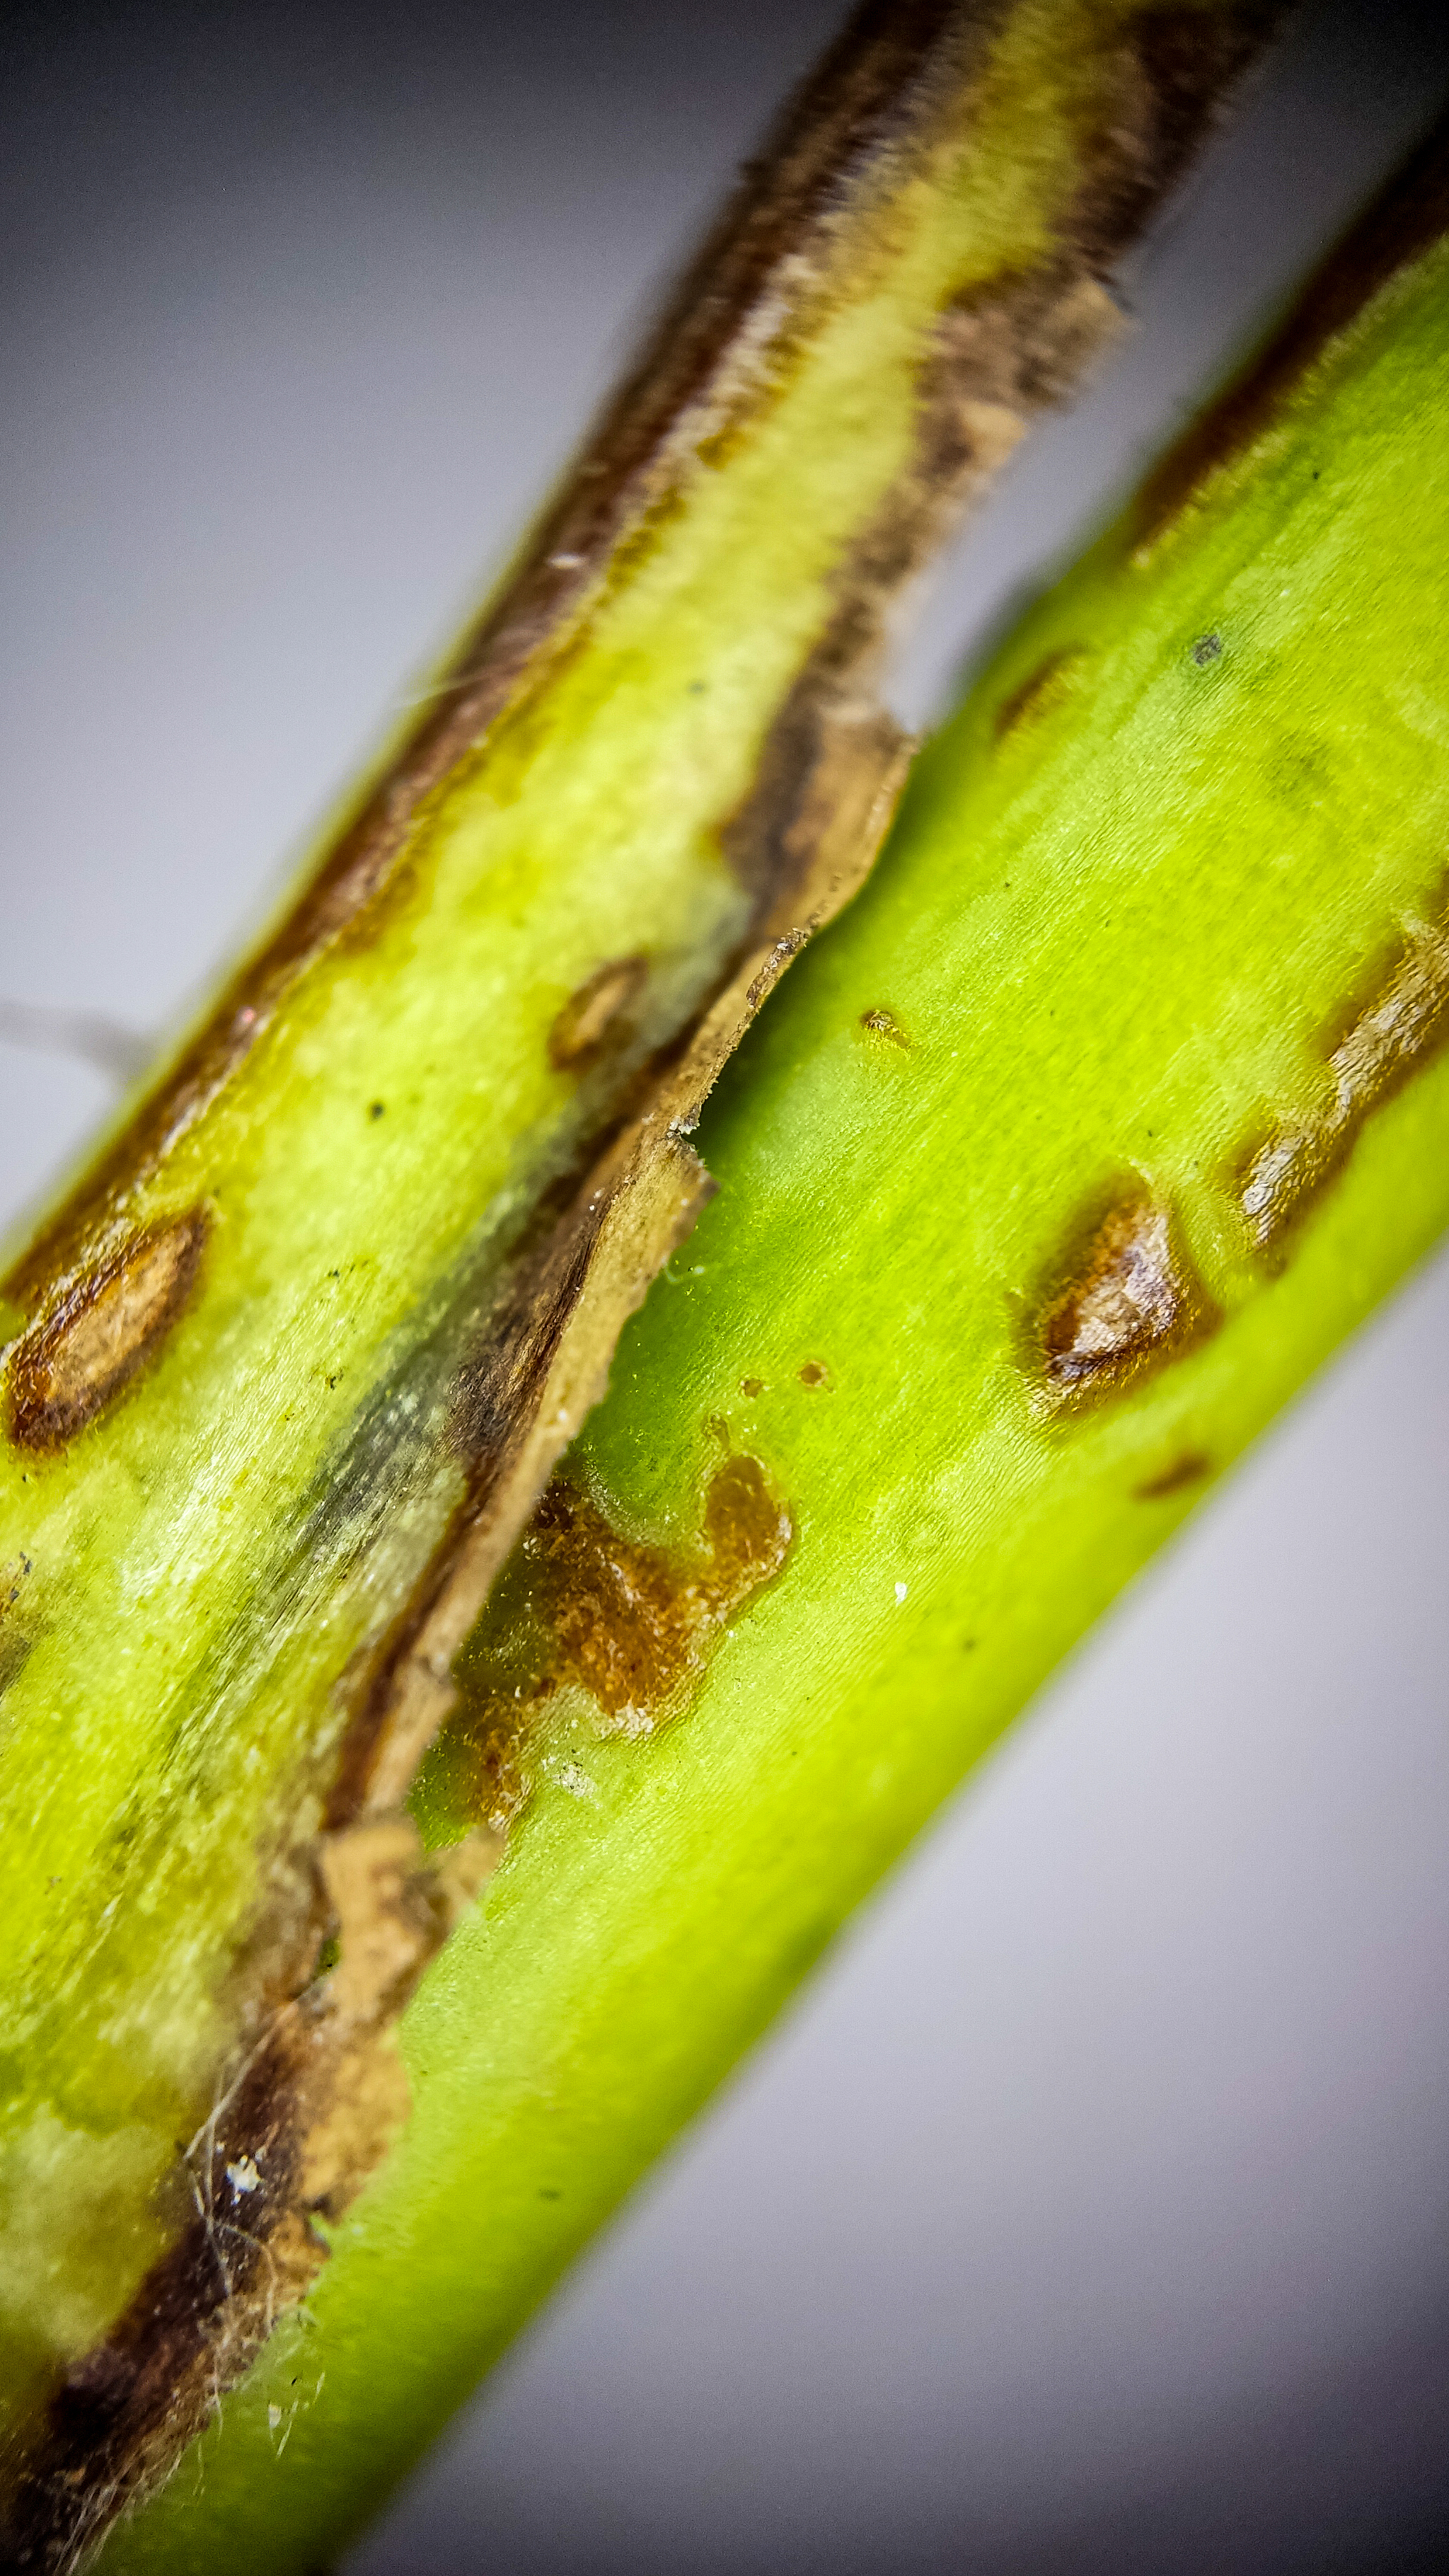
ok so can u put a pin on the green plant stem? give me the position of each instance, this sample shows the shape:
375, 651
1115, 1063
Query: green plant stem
285, 1372
1113, 1103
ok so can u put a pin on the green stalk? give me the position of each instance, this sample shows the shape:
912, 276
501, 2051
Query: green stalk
287, 1371
1114, 1102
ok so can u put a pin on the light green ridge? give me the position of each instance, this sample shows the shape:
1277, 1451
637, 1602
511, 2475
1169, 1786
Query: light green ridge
193, 1572
1113, 941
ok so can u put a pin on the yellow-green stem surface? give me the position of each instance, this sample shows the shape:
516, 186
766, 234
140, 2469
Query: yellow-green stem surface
1160, 942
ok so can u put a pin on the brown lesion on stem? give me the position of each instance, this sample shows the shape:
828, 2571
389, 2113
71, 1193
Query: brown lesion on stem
1190, 1467
871, 109
100, 1329
320, 2091
1121, 1300
1395, 1025
317, 2090
881, 1023
1003, 351
597, 1013
586, 1608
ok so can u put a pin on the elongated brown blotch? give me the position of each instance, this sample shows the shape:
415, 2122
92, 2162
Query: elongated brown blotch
627, 1622
1384, 1036
594, 1014
88, 1344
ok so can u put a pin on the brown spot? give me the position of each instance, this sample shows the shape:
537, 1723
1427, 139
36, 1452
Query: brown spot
1370, 1052
584, 1607
814, 1373
102, 1329
1189, 1469
1412, 213
750, 1387
628, 1620
596, 1012
884, 1024
1123, 1301
1043, 689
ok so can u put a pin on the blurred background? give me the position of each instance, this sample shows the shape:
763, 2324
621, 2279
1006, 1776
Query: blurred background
1089, 2211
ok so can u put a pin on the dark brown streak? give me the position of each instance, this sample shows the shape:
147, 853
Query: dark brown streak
206, 2300
320, 2068
1412, 213
1189, 1469
1043, 688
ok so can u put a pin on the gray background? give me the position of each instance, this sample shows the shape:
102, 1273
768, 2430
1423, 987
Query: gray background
1089, 2210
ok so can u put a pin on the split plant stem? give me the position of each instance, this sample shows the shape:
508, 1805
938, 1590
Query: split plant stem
1112, 1104
286, 1373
